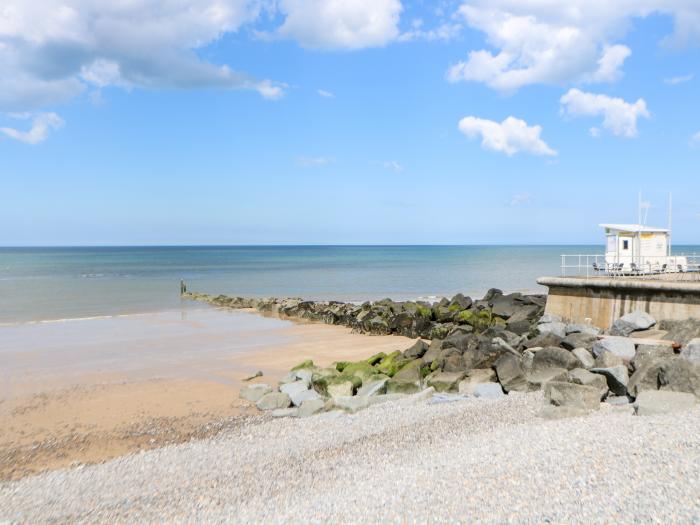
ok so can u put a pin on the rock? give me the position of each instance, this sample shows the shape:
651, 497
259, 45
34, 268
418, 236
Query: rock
294, 388
460, 302
386, 398
579, 340
691, 351
476, 377
419, 397
289, 377
561, 412
273, 400
351, 404
561, 394
647, 352
340, 387
285, 412
646, 376
362, 370
511, 374
433, 352
620, 346
417, 350
445, 381
304, 364
521, 321
488, 391
617, 400
681, 331
373, 386
550, 318
607, 359
407, 380
581, 376
311, 407
582, 329
256, 374
558, 329
543, 340
553, 357
680, 375
585, 357
305, 395
376, 358
254, 392
616, 377
391, 364
538, 378
305, 374
652, 402
632, 322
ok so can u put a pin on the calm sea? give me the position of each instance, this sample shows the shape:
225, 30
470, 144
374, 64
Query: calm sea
67, 283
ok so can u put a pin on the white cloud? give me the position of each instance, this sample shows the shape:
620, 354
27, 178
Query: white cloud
510, 136
595, 132
41, 126
619, 117
444, 31
678, 80
340, 24
52, 50
325, 94
392, 165
695, 140
520, 198
556, 42
306, 162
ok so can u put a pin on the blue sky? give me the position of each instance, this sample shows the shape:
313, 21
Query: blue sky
346, 121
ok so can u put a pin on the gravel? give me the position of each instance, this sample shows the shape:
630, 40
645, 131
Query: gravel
470, 461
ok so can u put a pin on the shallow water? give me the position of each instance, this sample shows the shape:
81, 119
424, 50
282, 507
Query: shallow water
60, 283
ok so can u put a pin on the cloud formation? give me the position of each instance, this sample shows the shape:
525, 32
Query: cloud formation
678, 80
41, 125
340, 24
511, 136
555, 42
307, 162
619, 117
392, 165
325, 94
52, 50
695, 140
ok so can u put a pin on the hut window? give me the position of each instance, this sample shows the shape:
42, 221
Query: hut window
625, 245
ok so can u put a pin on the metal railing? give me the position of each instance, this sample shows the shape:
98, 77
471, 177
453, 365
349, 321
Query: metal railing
673, 267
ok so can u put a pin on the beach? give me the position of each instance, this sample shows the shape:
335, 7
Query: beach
87, 390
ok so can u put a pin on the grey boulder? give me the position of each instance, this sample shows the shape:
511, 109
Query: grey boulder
556, 328
620, 346
632, 322
652, 402
617, 378
585, 357
254, 392
488, 391
559, 393
311, 407
691, 351
273, 400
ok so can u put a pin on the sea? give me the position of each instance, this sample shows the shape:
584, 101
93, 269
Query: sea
44, 284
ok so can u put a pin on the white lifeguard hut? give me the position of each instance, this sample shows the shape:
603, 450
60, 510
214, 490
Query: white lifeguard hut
637, 248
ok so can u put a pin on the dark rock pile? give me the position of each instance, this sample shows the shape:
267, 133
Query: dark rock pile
487, 348
515, 313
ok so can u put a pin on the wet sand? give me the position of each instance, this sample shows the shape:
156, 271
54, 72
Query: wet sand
84, 391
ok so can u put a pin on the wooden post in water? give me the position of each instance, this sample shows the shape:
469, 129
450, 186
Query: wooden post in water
183, 287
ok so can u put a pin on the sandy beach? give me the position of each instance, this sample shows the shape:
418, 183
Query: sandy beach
84, 391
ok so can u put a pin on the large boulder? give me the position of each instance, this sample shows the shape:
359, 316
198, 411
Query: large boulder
460, 302
579, 340
521, 321
556, 328
691, 351
581, 376
340, 386
254, 392
418, 349
351, 404
537, 378
680, 375
647, 352
607, 359
511, 374
407, 380
373, 386
632, 322
681, 331
553, 357
474, 378
293, 388
362, 370
488, 391
274, 400
562, 394
645, 376
574, 328
311, 407
585, 357
617, 378
543, 340
433, 352
652, 402
620, 346
445, 381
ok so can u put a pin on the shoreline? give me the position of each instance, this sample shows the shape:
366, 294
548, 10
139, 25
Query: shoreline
179, 394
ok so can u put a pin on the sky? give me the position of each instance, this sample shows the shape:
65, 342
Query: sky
133, 122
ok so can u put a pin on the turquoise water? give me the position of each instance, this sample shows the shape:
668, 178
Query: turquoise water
65, 283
